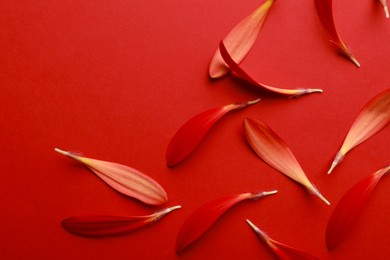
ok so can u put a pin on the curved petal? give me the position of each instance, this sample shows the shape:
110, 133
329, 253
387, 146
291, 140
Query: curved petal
204, 217
325, 13
194, 130
240, 39
350, 207
239, 72
100, 225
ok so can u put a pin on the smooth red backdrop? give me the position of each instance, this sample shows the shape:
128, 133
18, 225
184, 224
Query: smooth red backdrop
116, 79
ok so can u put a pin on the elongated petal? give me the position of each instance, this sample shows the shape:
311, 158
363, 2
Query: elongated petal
204, 217
240, 39
124, 179
325, 13
385, 8
274, 151
374, 116
282, 251
194, 130
100, 225
239, 72
350, 207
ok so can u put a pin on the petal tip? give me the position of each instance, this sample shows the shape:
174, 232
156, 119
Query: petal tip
338, 158
261, 194
61, 151
266, 193
251, 224
319, 195
316, 192
252, 102
355, 61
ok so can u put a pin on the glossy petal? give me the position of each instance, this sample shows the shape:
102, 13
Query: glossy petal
194, 130
204, 217
274, 151
325, 13
100, 225
240, 39
385, 8
124, 179
282, 251
350, 207
239, 72
374, 116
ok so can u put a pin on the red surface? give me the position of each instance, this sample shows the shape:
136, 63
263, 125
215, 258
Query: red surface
115, 80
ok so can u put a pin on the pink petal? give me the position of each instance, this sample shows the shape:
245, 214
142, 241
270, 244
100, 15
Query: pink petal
274, 151
124, 179
374, 116
385, 8
240, 39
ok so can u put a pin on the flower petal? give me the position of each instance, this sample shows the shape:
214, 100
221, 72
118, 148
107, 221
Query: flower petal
100, 225
325, 13
385, 8
239, 72
124, 179
240, 39
281, 250
194, 130
374, 116
350, 207
204, 217
274, 151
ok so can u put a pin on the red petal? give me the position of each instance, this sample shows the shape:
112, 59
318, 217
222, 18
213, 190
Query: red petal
98, 225
350, 207
274, 151
204, 217
240, 39
238, 71
194, 130
281, 250
374, 116
325, 13
124, 179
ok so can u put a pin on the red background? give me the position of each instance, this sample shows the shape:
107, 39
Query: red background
116, 79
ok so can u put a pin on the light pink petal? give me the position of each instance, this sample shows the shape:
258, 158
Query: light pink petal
240, 39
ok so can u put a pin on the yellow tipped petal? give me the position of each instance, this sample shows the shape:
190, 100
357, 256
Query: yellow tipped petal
373, 117
274, 151
240, 39
124, 179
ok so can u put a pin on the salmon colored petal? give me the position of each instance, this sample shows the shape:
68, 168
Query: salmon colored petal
385, 8
194, 130
374, 116
350, 207
282, 251
240, 39
204, 217
239, 72
325, 13
274, 151
100, 225
124, 179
